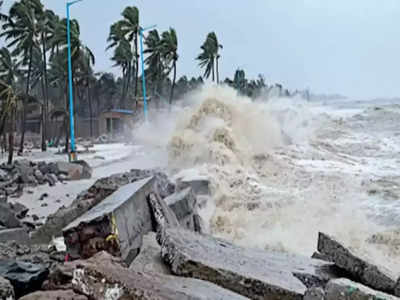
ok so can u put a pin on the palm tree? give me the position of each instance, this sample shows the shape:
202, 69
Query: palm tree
21, 28
155, 66
130, 30
169, 51
209, 56
8, 111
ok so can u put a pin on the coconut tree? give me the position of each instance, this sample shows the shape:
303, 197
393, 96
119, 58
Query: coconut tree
8, 112
169, 52
130, 30
209, 56
155, 65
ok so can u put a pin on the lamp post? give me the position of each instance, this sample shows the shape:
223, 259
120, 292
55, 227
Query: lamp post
72, 154
141, 30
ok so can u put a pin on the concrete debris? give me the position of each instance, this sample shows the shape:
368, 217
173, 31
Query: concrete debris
6, 289
54, 295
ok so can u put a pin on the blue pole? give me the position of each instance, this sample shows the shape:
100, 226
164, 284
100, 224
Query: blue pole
143, 76
71, 97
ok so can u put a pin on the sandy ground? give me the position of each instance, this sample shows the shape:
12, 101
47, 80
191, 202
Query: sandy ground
116, 158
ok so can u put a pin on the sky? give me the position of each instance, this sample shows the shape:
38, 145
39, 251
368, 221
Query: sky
329, 46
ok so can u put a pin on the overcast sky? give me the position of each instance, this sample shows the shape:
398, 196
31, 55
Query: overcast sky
350, 47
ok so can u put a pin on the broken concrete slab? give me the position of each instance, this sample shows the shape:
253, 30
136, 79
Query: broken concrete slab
345, 289
24, 277
253, 273
54, 295
19, 235
6, 289
199, 184
7, 216
116, 225
360, 268
103, 277
87, 169
149, 259
182, 203
100, 190
162, 215
74, 171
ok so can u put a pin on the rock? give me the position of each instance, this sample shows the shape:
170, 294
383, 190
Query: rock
35, 217
363, 271
320, 256
43, 196
315, 293
24, 277
74, 171
62, 177
103, 277
183, 204
54, 295
253, 273
39, 176
87, 170
149, 259
25, 171
19, 235
3, 198
19, 209
199, 184
116, 225
44, 205
3, 175
6, 290
7, 217
11, 190
51, 179
345, 289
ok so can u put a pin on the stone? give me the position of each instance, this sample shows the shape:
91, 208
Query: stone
183, 204
19, 235
104, 277
3, 175
24, 277
43, 196
35, 217
359, 268
6, 290
149, 258
7, 217
39, 176
19, 209
51, 179
54, 295
345, 289
74, 171
44, 205
315, 293
116, 225
25, 171
252, 273
87, 170
11, 190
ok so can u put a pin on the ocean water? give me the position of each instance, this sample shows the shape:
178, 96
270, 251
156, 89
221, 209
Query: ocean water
282, 170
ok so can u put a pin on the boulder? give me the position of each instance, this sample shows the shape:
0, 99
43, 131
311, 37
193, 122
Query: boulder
315, 293
3, 175
7, 216
183, 204
19, 235
116, 225
252, 273
104, 277
345, 289
51, 179
359, 268
54, 295
6, 290
39, 176
19, 209
149, 259
25, 171
87, 170
74, 171
24, 277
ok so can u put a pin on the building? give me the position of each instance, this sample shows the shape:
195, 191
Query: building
115, 121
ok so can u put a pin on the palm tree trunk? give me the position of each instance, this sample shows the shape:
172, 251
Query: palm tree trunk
11, 137
213, 71
173, 84
90, 107
128, 81
43, 121
217, 70
21, 145
136, 68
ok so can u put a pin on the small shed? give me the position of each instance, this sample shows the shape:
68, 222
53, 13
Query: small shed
115, 121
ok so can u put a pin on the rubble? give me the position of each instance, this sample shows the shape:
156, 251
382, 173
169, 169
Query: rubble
19, 235
359, 268
25, 277
116, 225
54, 295
104, 277
6, 289
253, 273
345, 289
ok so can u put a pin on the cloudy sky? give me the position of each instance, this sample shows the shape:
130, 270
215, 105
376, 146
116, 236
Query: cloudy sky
350, 47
